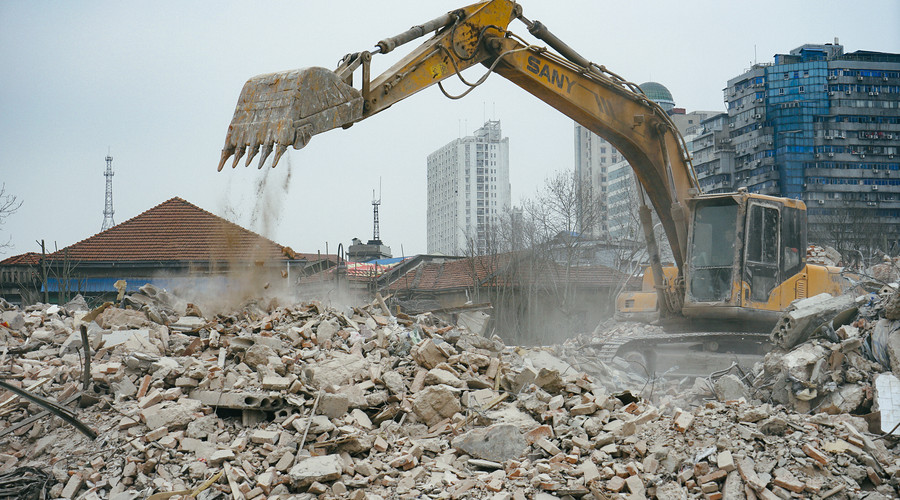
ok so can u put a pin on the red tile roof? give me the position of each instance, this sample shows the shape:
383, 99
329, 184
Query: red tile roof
498, 270
175, 230
25, 259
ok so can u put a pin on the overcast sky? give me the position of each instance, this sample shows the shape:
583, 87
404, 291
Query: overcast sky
155, 83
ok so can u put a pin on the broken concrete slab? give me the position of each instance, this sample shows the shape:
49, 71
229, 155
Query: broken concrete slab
496, 443
316, 469
436, 402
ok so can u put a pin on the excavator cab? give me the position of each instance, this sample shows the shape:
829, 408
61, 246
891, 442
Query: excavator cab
746, 258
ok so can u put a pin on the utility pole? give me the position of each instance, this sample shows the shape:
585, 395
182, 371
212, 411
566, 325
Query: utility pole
44, 273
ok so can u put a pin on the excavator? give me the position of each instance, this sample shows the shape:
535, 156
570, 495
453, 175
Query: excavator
739, 258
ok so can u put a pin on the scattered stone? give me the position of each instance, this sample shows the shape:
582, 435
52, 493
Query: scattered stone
497, 443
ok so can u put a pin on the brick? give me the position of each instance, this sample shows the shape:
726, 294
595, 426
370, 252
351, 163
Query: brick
156, 434
789, 482
153, 397
275, 383
709, 487
583, 409
540, 432
615, 484
547, 446
144, 387
815, 454
725, 461
260, 436
716, 475
747, 471
635, 485
683, 421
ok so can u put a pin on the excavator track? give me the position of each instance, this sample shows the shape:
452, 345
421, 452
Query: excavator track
690, 353
609, 349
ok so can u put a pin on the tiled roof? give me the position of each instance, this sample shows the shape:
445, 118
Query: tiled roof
498, 270
25, 259
175, 230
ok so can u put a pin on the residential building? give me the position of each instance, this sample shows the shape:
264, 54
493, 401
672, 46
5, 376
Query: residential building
593, 156
468, 192
823, 126
712, 155
174, 245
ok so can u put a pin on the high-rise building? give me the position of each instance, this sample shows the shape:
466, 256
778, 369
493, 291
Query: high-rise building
593, 156
712, 155
822, 126
468, 192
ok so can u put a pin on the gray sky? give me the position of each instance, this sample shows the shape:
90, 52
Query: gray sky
157, 82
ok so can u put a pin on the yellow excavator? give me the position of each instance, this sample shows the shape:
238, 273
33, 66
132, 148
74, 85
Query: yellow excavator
739, 258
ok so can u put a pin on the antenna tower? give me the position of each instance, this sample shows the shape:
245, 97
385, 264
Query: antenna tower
376, 237
108, 211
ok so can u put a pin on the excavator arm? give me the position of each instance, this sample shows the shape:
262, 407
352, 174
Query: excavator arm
279, 110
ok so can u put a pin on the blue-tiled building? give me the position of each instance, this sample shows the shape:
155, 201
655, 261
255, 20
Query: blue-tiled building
823, 126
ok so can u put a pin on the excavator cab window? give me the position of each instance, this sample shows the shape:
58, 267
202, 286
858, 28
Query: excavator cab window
712, 251
793, 240
761, 269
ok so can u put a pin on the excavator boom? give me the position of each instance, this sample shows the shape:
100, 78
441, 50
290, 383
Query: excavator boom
279, 110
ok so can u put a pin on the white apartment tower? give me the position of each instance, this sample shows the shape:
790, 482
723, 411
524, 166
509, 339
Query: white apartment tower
593, 157
468, 192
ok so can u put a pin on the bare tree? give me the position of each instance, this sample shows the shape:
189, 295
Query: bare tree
9, 204
856, 233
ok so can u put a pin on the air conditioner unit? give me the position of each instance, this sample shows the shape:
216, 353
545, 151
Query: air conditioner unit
828, 137
831, 155
874, 170
821, 202
862, 155
891, 156
759, 99
884, 78
771, 143
875, 93
830, 93
859, 77
757, 116
832, 77
871, 93
874, 188
730, 125
817, 155
848, 92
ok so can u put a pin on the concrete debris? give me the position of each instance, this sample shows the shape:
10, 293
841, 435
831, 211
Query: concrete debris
309, 401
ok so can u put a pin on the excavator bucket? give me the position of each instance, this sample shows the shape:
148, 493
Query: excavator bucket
278, 110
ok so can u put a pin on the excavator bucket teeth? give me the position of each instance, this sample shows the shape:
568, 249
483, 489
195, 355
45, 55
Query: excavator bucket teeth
277, 110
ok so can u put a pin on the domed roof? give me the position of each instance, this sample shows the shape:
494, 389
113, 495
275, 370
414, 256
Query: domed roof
658, 93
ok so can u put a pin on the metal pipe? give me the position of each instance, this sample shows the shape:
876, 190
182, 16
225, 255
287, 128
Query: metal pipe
51, 406
389, 44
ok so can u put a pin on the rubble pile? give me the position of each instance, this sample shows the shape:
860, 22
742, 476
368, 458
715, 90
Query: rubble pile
823, 256
310, 401
830, 353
